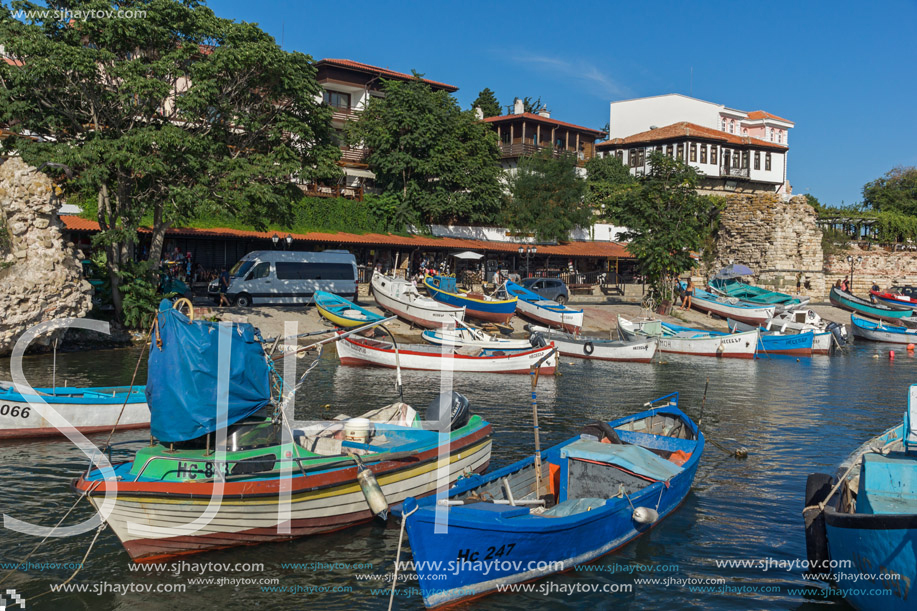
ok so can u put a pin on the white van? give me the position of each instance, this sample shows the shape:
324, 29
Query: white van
285, 277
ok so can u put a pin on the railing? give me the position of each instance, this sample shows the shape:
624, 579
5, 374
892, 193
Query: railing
354, 155
343, 114
734, 172
523, 149
319, 190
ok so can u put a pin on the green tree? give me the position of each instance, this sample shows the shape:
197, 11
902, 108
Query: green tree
440, 161
487, 102
813, 201
608, 182
894, 192
547, 197
666, 219
528, 104
165, 116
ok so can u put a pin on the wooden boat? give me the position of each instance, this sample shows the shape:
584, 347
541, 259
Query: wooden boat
342, 312
903, 300
466, 336
879, 332
730, 307
798, 321
401, 297
881, 311
733, 287
88, 410
262, 487
548, 312
362, 352
865, 518
593, 498
638, 350
822, 341
477, 305
691, 341
774, 342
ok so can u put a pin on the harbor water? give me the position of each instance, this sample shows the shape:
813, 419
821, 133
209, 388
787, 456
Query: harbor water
737, 542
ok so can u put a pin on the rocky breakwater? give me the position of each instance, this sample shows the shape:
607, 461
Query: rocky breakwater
40, 274
777, 238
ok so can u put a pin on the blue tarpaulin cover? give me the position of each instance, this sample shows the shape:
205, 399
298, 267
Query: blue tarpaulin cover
181, 385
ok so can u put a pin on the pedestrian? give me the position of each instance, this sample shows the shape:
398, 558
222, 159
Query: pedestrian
686, 298
224, 287
845, 285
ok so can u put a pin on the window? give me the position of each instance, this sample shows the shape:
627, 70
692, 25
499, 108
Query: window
668, 150
723, 124
745, 159
620, 155
693, 153
713, 154
314, 271
680, 151
262, 270
767, 162
780, 137
745, 132
703, 153
337, 99
504, 137
757, 160
732, 126
768, 135
632, 157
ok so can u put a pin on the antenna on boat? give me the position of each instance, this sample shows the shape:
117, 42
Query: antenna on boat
534, 371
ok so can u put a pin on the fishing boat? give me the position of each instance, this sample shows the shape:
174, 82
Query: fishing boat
195, 490
363, 352
535, 307
342, 312
774, 342
88, 410
477, 305
861, 522
822, 341
692, 342
567, 505
729, 307
401, 297
800, 321
852, 303
904, 298
637, 350
466, 336
731, 286
878, 332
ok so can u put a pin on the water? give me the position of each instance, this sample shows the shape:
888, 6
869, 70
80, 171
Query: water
795, 417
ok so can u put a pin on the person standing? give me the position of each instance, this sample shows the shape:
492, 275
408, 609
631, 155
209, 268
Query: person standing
224, 287
686, 298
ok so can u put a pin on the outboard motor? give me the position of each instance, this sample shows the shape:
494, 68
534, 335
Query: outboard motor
455, 409
839, 332
537, 340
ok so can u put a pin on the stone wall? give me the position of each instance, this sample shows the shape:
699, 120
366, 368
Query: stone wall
880, 266
777, 239
40, 276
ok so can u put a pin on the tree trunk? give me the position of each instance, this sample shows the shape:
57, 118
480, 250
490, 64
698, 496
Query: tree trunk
105, 217
159, 236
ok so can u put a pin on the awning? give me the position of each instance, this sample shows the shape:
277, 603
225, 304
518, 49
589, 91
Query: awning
467, 254
359, 173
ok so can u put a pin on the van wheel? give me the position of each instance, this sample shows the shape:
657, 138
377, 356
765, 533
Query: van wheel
561, 299
243, 301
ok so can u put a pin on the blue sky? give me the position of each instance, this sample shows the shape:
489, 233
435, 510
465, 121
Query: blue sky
844, 72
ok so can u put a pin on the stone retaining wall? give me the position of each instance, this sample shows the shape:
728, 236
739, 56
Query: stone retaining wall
880, 266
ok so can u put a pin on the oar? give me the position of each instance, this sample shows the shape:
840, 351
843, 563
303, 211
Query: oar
740, 452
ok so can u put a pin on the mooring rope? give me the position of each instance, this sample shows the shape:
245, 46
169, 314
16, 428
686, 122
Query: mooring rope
404, 519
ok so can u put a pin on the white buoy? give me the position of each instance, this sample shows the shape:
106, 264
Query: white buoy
645, 515
373, 492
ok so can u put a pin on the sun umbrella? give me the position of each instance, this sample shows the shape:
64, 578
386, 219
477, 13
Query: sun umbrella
734, 271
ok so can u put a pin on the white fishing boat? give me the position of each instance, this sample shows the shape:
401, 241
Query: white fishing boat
88, 410
827, 335
400, 297
691, 341
362, 352
637, 350
548, 312
465, 336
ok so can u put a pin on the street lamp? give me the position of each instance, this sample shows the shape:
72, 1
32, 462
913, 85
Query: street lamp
289, 240
275, 239
527, 252
852, 263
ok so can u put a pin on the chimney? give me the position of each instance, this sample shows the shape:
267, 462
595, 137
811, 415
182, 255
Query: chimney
478, 113
544, 112
518, 107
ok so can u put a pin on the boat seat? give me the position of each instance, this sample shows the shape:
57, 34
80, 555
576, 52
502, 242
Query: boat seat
888, 484
572, 507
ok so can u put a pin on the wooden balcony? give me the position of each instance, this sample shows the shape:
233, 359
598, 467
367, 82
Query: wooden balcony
732, 172
520, 149
320, 190
343, 114
352, 156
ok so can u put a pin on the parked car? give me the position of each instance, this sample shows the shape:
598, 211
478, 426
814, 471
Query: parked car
549, 288
285, 277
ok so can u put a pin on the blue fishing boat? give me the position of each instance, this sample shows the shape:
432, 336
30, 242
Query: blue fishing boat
878, 332
731, 286
852, 303
548, 312
729, 307
477, 305
861, 524
342, 312
588, 499
774, 342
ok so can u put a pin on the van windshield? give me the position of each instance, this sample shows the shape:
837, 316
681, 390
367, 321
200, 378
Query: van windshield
241, 267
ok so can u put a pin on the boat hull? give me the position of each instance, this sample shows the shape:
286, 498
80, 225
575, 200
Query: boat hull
852, 303
19, 420
359, 353
748, 313
868, 330
570, 321
793, 344
248, 513
499, 311
432, 315
737, 346
902, 303
438, 338
634, 351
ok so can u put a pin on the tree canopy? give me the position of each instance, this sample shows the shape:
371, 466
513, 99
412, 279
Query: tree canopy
488, 103
666, 219
528, 104
169, 115
547, 197
896, 191
608, 182
438, 160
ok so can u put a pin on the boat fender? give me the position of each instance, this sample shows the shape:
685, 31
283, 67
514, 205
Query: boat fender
601, 431
818, 486
645, 515
537, 340
372, 491
588, 348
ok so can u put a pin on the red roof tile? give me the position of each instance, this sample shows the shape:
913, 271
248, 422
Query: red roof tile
530, 116
688, 130
755, 115
571, 249
12, 62
347, 63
